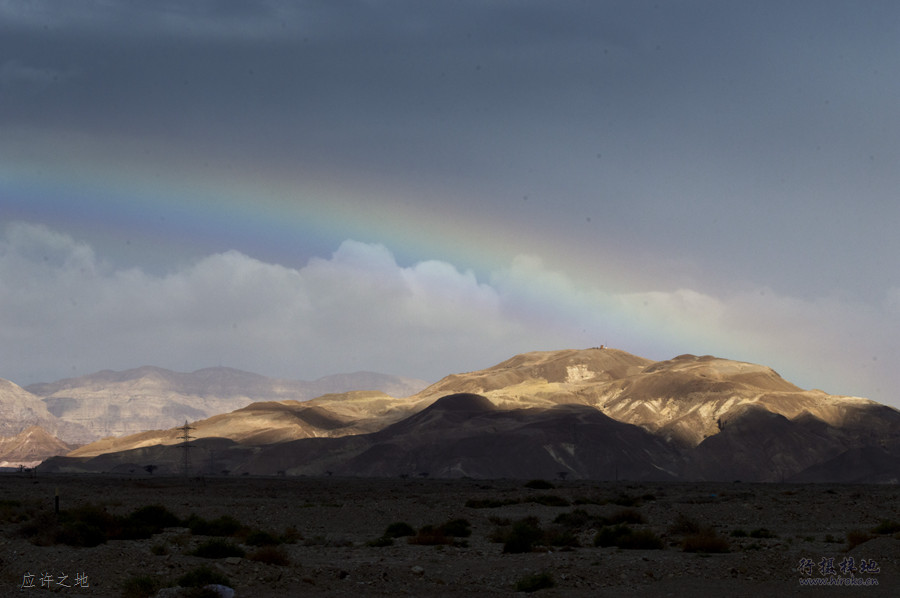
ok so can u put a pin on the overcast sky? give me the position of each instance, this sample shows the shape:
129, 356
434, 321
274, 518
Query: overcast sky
423, 188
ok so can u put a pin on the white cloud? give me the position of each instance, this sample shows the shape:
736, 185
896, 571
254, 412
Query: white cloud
64, 311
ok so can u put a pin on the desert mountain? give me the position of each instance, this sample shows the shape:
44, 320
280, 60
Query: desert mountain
149, 398
595, 413
30, 447
20, 410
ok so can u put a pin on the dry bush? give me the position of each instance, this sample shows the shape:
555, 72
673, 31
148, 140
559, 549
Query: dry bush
707, 540
271, 555
684, 526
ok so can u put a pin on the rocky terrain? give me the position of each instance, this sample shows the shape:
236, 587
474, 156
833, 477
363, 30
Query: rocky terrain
598, 414
710, 539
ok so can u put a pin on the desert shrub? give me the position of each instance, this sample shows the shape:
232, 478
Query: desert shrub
705, 541
445, 533
430, 535
217, 548
159, 549
887, 526
271, 555
291, 535
539, 485
549, 500
575, 519
225, 525
643, 539
522, 536
142, 586
559, 536
855, 538
79, 533
610, 535
684, 525
533, 583
399, 529
457, 528
147, 521
761, 533
626, 516
261, 538
626, 500
490, 503
11, 511
202, 576
87, 525
738, 533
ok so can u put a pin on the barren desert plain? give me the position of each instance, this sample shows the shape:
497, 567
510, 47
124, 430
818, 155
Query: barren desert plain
332, 536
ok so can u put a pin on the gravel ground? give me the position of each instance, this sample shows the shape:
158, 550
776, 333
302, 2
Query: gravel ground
333, 522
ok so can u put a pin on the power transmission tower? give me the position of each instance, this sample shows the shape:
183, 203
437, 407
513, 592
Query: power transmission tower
186, 446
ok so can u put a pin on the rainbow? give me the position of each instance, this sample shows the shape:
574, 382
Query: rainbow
277, 213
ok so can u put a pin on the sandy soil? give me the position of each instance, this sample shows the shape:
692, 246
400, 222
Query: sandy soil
335, 519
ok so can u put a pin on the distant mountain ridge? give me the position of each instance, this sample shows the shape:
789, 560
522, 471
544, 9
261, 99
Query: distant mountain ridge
593, 413
109, 403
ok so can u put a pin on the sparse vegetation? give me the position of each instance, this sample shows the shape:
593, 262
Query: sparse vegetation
90, 525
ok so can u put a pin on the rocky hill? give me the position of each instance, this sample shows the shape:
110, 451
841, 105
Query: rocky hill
30, 447
595, 413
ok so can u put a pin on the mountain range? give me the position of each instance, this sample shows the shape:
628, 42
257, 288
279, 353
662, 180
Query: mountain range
77, 411
597, 413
